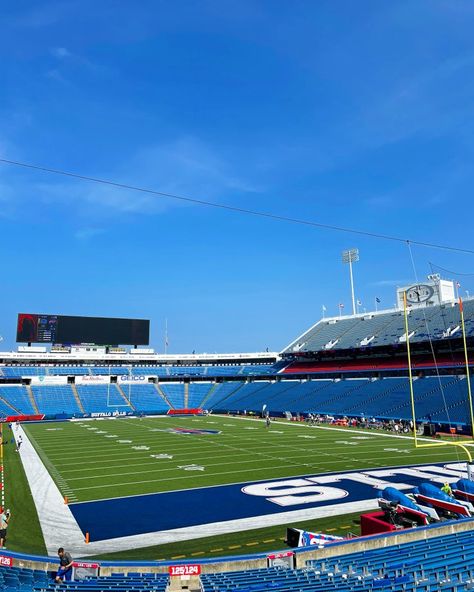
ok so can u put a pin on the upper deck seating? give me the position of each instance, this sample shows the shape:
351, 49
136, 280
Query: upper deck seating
19, 371
440, 322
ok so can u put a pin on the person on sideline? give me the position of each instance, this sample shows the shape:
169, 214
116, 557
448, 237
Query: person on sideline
4, 520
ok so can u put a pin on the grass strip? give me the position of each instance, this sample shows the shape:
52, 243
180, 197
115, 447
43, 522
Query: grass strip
24, 531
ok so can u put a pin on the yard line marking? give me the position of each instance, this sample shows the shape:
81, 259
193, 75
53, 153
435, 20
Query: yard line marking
192, 467
287, 457
175, 478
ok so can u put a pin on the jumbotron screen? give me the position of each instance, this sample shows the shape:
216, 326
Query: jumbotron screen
42, 328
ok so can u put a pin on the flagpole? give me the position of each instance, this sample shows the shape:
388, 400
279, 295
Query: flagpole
166, 336
376, 305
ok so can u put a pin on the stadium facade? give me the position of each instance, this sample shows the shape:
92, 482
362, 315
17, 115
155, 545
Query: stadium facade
346, 366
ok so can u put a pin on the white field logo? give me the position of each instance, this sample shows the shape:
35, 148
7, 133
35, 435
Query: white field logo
320, 489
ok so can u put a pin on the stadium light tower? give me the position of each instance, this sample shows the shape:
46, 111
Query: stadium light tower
351, 256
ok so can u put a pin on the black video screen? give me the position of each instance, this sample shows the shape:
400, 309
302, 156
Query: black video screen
36, 328
40, 328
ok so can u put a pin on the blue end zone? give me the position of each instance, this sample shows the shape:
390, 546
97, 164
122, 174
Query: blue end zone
142, 514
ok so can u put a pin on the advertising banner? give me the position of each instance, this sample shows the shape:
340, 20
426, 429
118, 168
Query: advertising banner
10, 418
131, 379
115, 413
97, 379
47, 380
195, 411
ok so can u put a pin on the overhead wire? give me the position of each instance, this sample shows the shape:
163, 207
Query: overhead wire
450, 271
236, 209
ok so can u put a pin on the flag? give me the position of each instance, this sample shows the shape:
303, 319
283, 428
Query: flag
359, 303
341, 305
377, 300
324, 308
458, 285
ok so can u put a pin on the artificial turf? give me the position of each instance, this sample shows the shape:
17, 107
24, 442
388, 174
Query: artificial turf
24, 532
105, 459
100, 459
250, 541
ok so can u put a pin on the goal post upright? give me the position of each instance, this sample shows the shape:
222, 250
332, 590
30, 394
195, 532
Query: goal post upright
466, 357
410, 373
412, 400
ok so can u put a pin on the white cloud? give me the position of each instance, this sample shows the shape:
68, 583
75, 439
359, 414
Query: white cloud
186, 167
60, 52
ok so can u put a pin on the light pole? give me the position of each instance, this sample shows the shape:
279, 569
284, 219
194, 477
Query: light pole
351, 256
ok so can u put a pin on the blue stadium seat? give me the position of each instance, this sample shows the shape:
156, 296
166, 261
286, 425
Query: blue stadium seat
55, 400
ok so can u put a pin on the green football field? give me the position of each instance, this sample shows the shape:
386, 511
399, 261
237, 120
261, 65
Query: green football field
102, 459
93, 460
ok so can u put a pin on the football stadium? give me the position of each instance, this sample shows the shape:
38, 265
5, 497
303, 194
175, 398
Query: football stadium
287, 470
237, 297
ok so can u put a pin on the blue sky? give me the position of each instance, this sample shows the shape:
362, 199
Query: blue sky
350, 113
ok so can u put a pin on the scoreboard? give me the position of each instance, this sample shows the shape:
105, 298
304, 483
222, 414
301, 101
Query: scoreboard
36, 328
44, 328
